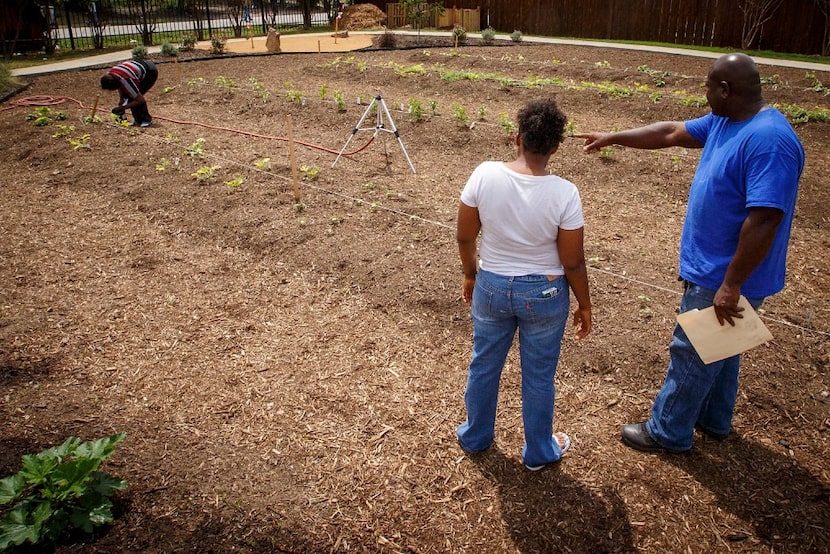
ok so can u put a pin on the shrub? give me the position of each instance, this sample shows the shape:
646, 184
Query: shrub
188, 43
139, 52
459, 33
217, 44
488, 35
516, 36
59, 488
168, 50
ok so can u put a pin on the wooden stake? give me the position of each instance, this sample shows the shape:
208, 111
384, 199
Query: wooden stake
336, 21
95, 106
318, 47
291, 159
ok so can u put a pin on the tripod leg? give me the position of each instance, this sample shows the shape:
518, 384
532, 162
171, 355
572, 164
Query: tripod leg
355, 130
396, 133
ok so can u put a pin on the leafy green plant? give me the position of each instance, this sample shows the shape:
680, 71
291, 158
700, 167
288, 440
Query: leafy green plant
658, 77
339, 101
96, 119
263, 164
516, 36
506, 123
816, 85
324, 90
433, 107
217, 44
295, 95
606, 153
488, 35
226, 83
167, 163
416, 111
79, 142
204, 173
57, 490
197, 149
570, 128
482, 113
259, 89
459, 113
168, 50
459, 33
139, 52
311, 172
188, 43
235, 183
194, 84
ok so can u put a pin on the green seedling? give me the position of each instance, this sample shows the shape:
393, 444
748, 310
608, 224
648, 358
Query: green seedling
482, 113
197, 149
226, 83
324, 90
205, 173
167, 163
433, 107
263, 164
339, 101
459, 113
416, 111
606, 153
79, 142
235, 183
506, 123
259, 89
310, 172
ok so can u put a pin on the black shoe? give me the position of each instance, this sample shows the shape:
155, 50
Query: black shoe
711, 434
636, 436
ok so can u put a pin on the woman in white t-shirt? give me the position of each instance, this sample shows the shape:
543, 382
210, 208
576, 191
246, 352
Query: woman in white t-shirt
530, 254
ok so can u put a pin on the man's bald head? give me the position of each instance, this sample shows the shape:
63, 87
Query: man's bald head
734, 86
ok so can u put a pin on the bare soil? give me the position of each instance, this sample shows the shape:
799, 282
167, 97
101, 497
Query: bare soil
289, 367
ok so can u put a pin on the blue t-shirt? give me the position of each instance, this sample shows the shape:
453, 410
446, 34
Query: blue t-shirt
746, 164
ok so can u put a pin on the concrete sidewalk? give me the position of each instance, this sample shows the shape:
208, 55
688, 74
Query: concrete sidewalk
113, 58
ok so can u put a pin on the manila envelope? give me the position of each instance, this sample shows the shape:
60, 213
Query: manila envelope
714, 342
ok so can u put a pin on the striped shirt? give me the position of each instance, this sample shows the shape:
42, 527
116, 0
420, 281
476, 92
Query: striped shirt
129, 75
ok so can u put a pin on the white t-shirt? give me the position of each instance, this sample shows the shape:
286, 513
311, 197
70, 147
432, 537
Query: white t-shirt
520, 218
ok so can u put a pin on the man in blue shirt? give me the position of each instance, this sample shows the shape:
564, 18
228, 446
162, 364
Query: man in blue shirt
734, 241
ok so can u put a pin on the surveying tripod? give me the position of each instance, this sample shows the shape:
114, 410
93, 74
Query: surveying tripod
377, 103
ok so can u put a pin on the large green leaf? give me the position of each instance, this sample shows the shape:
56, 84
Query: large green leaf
36, 469
69, 480
106, 484
15, 529
11, 488
61, 452
100, 449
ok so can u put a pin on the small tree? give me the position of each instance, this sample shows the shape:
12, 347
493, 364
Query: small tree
418, 12
756, 13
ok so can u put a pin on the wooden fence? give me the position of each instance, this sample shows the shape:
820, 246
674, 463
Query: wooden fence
470, 19
797, 26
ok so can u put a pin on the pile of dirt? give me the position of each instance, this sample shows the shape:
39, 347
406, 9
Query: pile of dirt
362, 17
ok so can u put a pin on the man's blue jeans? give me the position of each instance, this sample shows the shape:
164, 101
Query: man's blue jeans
694, 393
539, 308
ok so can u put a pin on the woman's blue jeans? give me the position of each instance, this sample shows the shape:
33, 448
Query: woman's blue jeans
538, 307
694, 393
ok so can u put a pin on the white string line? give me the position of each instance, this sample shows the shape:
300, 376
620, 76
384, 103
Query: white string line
414, 217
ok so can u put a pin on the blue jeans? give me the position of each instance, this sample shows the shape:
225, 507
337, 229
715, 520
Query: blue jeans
694, 393
538, 308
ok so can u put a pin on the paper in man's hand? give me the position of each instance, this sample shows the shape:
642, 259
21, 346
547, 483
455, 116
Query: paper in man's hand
714, 342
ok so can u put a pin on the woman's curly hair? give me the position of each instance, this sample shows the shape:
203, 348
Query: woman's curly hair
541, 126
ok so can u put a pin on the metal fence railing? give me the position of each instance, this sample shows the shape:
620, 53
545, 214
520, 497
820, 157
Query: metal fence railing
91, 24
